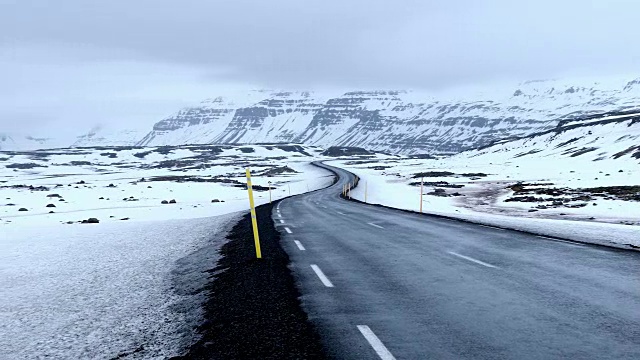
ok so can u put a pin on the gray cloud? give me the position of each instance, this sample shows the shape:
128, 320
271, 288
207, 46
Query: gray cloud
116, 55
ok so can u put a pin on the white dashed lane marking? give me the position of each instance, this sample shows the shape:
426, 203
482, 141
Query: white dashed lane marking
322, 276
375, 343
378, 226
471, 259
287, 230
299, 245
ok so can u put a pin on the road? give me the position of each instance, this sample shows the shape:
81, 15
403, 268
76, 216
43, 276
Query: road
382, 284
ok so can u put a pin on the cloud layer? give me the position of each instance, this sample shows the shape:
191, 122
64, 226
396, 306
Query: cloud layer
106, 60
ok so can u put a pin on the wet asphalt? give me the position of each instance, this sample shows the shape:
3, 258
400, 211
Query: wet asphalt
391, 284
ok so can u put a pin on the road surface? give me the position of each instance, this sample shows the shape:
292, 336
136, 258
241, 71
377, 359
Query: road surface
382, 284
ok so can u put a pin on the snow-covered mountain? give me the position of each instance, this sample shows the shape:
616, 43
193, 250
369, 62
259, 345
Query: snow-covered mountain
614, 140
19, 142
101, 137
395, 121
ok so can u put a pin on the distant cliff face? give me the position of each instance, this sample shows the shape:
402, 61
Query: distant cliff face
393, 120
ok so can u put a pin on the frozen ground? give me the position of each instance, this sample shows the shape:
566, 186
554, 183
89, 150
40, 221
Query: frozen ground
129, 286
581, 183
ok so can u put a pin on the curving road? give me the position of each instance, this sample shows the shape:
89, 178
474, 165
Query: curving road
383, 284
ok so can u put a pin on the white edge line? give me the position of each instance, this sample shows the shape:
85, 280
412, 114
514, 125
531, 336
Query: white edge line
321, 275
341, 213
375, 343
287, 230
299, 245
558, 240
471, 259
378, 226
491, 227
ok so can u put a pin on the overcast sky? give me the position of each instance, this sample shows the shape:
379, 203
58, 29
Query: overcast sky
82, 63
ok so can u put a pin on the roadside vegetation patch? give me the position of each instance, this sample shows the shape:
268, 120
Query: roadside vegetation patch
563, 197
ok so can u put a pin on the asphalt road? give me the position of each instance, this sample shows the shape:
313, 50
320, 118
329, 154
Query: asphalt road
381, 283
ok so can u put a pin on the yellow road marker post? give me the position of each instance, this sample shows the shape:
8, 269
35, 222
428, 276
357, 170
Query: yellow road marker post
349, 191
421, 187
254, 220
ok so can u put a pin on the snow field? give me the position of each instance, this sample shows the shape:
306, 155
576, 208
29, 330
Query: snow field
122, 289
194, 199
96, 292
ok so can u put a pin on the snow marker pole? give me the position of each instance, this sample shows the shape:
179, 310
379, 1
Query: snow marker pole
254, 220
365, 192
421, 187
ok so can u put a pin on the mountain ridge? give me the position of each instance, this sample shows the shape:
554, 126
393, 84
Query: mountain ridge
393, 120
398, 121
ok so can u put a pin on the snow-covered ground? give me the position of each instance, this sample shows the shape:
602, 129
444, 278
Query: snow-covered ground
96, 292
131, 184
124, 289
578, 183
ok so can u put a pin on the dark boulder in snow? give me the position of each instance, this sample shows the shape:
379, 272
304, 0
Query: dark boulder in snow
51, 205
345, 151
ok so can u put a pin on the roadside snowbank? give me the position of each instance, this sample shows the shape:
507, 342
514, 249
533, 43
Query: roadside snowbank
393, 191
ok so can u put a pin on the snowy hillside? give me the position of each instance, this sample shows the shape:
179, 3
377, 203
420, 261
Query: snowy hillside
396, 121
585, 171
19, 142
